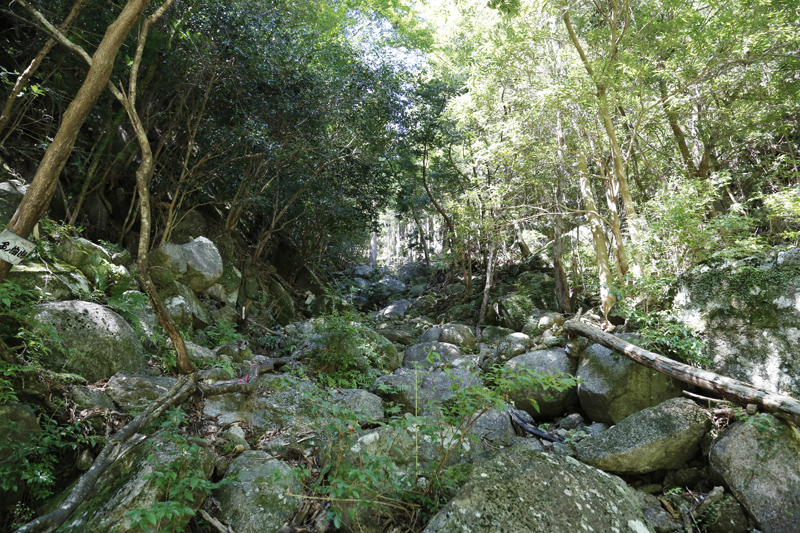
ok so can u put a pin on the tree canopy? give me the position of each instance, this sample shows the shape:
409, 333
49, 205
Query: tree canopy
629, 140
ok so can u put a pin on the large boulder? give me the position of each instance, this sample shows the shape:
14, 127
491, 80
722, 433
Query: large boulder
395, 310
748, 314
661, 437
196, 264
131, 483
519, 490
11, 194
94, 261
422, 391
460, 335
417, 355
397, 336
516, 310
226, 289
184, 307
257, 501
93, 341
613, 387
318, 340
132, 392
55, 280
548, 403
759, 460
508, 348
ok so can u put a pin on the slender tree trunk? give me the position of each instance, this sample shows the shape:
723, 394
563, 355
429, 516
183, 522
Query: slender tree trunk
524, 249
619, 173
607, 298
487, 287
422, 241
143, 176
37, 198
373, 249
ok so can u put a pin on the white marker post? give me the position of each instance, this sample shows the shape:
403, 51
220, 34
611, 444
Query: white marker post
14, 248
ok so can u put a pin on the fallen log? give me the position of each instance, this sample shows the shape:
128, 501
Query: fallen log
737, 391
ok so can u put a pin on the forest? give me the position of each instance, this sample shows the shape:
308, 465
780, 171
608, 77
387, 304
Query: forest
617, 147
665, 131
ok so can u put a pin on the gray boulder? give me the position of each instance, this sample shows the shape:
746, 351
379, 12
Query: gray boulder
190, 224
11, 194
425, 303
277, 404
661, 437
613, 387
18, 424
725, 516
363, 271
257, 500
418, 354
183, 305
515, 310
747, 313
93, 341
422, 391
395, 310
519, 490
55, 280
90, 399
759, 460
431, 334
226, 289
128, 484
509, 347
365, 405
496, 427
492, 334
392, 285
397, 336
196, 264
550, 403
460, 335
455, 290
92, 260
131, 392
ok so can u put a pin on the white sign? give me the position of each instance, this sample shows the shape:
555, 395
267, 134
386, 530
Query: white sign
14, 248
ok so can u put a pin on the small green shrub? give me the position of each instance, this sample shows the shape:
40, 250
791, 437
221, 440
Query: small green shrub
348, 356
221, 333
664, 334
29, 468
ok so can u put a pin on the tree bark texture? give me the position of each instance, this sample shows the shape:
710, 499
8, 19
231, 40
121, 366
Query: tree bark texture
607, 298
37, 198
732, 389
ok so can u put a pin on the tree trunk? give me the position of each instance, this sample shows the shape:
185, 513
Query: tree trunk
487, 287
562, 284
143, 176
619, 174
524, 249
607, 298
735, 390
422, 240
37, 198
